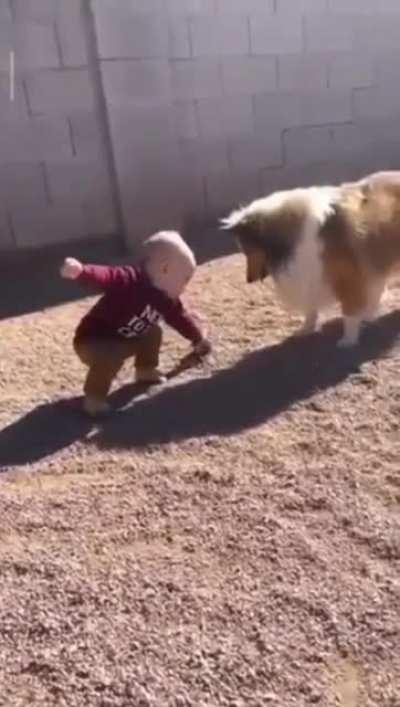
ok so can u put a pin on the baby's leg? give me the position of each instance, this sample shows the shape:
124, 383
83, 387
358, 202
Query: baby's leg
147, 349
104, 359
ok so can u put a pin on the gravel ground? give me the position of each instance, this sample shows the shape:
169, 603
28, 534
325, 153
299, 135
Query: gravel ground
230, 539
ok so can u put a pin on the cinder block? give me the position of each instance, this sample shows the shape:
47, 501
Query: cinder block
376, 103
351, 71
205, 157
84, 188
74, 182
191, 7
43, 11
185, 120
388, 6
60, 91
143, 219
329, 106
281, 111
387, 68
36, 226
86, 137
226, 190
273, 112
353, 6
227, 116
314, 173
156, 163
168, 185
5, 11
244, 7
179, 43
135, 83
22, 184
156, 188
200, 78
6, 236
256, 152
50, 139
352, 141
102, 8
12, 110
136, 129
35, 47
384, 129
248, 75
7, 44
219, 36
276, 34
301, 6
377, 32
71, 33
307, 145
16, 142
328, 33
302, 73
99, 217
127, 34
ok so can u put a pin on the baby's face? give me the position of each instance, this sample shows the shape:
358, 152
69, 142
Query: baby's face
172, 276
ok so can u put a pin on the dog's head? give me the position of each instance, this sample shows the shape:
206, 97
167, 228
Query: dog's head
268, 230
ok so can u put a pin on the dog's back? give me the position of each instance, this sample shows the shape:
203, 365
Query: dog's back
375, 214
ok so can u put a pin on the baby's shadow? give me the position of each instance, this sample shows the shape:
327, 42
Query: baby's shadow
53, 426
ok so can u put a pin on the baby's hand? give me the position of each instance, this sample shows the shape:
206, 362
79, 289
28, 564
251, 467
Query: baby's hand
203, 348
71, 269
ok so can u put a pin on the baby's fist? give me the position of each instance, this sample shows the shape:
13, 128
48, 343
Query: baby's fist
203, 348
71, 269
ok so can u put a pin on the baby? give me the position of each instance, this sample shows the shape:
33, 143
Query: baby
124, 322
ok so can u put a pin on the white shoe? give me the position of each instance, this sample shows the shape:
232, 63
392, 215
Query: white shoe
149, 375
95, 407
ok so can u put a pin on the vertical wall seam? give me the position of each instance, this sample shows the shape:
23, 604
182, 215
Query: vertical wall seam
102, 110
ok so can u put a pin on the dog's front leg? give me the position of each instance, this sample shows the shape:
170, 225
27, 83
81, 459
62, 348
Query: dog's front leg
309, 325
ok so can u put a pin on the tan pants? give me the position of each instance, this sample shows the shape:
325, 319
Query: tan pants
105, 357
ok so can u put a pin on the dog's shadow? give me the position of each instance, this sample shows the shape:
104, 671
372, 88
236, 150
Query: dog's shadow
257, 388
260, 386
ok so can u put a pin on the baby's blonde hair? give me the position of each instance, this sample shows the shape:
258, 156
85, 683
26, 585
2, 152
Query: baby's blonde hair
167, 244
168, 249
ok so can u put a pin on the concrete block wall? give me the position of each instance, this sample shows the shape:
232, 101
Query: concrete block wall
54, 176
212, 102
176, 110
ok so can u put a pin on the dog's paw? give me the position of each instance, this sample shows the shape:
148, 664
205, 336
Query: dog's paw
309, 326
347, 342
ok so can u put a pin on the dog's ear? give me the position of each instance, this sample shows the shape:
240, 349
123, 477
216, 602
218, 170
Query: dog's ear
237, 220
243, 227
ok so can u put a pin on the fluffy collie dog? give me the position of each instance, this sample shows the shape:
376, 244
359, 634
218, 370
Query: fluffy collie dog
323, 245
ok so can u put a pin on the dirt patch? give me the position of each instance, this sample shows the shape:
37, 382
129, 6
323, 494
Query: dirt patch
231, 539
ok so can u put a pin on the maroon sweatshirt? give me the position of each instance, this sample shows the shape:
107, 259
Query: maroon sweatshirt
130, 305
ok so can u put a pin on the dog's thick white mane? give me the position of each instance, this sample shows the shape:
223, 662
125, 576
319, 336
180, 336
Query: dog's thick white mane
318, 203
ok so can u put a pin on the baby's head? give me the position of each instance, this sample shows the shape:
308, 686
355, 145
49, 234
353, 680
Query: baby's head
168, 262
